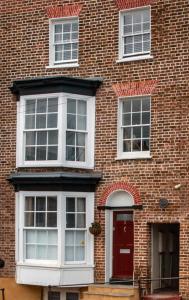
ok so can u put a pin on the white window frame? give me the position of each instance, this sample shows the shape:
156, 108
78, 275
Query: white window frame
134, 154
61, 226
62, 125
133, 57
52, 63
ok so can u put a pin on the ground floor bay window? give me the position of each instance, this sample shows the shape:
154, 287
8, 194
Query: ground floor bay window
54, 245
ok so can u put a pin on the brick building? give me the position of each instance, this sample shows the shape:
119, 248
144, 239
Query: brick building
96, 96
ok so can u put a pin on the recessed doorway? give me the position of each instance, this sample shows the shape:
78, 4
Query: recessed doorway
165, 257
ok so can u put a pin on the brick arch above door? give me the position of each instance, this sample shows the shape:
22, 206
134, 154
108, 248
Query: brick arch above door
120, 186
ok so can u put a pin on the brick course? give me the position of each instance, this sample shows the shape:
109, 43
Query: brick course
24, 54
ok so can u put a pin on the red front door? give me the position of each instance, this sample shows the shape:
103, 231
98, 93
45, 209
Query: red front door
123, 244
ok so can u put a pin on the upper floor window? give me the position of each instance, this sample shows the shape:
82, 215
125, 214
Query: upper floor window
134, 128
135, 33
56, 129
64, 39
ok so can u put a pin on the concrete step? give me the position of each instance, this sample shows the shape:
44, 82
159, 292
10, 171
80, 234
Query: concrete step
101, 296
110, 292
113, 289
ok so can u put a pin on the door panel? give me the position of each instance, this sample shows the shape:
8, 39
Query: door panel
123, 244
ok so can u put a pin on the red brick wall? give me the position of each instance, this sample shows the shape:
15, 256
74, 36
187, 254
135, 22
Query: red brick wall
24, 53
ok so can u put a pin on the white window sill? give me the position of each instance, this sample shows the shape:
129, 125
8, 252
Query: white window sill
134, 58
49, 164
134, 155
71, 65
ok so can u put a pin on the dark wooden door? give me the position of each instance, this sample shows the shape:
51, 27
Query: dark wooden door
123, 244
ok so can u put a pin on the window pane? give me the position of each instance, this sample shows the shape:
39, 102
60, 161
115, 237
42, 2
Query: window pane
58, 28
29, 203
41, 252
41, 137
70, 220
146, 118
136, 145
136, 118
81, 122
146, 27
80, 154
53, 105
70, 204
137, 132
30, 252
79, 253
127, 19
30, 138
41, 121
127, 106
72, 296
67, 55
145, 104
52, 253
70, 153
80, 220
30, 153
69, 238
138, 47
136, 105
41, 153
70, 138
146, 15
51, 203
146, 132
127, 146
53, 295
30, 121
82, 107
41, 236
145, 145
40, 219
75, 26
128, 49
71, 106
146, 46
127, 133
53, 137
67, 27
69, 253
71, 121
52, 153
137, 16
30, 236
51, 219
52, 120
30, 106
41, 105
29, 219
126, 119
81, 205
52, 237
137, 28
40, 203
127, 29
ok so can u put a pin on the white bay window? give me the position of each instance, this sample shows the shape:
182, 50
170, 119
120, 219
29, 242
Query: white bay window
53, 235
56, 130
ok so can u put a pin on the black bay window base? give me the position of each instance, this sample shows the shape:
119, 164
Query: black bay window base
55, 181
